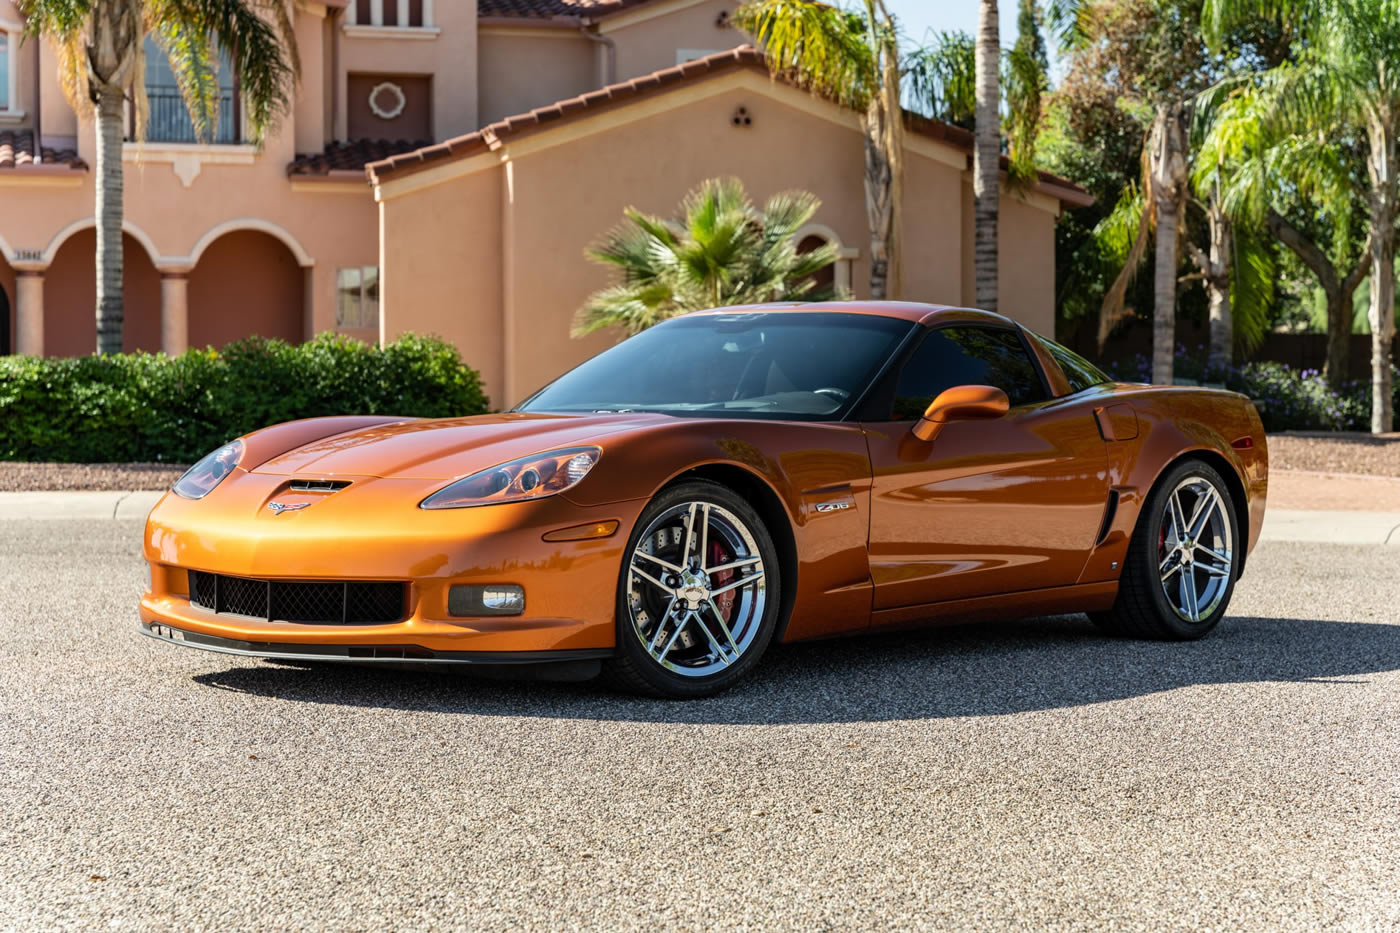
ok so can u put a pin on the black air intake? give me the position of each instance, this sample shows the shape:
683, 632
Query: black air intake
325, 602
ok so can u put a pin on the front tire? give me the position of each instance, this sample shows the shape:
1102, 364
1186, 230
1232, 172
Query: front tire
697, 595
1183, 559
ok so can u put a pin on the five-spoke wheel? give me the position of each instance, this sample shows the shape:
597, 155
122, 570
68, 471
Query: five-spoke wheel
697, 600
1182, 562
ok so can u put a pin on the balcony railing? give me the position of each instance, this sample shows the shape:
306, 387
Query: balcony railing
169, 119
413, 14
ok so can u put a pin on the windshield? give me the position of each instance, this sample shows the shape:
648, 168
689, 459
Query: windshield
765, 364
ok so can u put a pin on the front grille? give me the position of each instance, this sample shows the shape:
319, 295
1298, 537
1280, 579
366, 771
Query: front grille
338, 602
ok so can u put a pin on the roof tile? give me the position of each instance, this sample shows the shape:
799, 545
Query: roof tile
547, 9
352, 156
17, 151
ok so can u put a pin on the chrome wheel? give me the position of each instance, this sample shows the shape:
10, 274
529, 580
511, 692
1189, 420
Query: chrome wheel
695, 589
1195, 555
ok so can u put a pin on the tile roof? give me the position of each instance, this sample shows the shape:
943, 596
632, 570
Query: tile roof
745, 56
17, 151
547, 9
351, 156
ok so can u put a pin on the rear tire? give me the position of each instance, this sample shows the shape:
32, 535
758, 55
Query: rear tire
697, 594
1183, 559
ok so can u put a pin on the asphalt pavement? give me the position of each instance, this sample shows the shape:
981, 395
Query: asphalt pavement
1015, 775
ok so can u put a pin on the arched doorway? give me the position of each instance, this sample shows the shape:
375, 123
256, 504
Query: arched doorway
246, 282
70, 297
8, 337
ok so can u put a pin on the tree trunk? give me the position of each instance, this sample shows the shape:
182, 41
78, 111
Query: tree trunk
1341, 309
878, 204
1219, 265
109, 221
986, 158
1168, 177
1340, 292
1164, 295
1382, 170
1382, 318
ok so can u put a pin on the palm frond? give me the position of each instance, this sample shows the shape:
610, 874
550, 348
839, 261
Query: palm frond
721, 250
823, 48
1123, 235
194, 61
941, 78
1026, 85
1252, 288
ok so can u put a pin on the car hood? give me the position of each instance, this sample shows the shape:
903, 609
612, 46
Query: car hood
446, 448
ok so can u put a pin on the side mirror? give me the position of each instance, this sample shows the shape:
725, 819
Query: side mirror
961, 403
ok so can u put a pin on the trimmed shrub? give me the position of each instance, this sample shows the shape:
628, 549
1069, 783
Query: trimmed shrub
1288, 399
145, 407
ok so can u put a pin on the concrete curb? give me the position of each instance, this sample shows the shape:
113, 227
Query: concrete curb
1331, 527
32, 506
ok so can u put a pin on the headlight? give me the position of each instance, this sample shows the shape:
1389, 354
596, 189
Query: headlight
532, 477
200, 479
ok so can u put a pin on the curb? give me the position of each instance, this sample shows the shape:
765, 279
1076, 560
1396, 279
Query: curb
84, 505
1331, 527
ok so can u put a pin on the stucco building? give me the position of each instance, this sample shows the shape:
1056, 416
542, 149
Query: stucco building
501, 138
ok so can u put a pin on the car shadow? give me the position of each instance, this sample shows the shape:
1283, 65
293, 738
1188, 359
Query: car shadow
992, 669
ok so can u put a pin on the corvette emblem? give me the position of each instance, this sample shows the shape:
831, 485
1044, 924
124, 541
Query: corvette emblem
837, 506
277, 508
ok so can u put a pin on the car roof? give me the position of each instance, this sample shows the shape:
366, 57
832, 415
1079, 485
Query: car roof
917, 312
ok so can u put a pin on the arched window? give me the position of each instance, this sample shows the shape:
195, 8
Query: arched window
823, 277
838, 274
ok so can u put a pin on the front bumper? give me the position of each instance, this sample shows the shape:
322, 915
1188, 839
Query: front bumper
373, 531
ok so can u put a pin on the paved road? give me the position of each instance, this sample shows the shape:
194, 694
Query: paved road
1030, 775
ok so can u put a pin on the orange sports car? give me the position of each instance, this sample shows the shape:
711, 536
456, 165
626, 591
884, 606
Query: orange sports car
664, 512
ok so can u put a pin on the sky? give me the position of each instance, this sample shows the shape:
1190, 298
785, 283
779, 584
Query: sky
917, 17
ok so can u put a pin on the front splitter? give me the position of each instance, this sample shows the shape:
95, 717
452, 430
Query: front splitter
387, 655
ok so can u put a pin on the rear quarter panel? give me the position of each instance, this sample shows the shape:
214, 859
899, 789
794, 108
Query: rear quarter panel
1174, 422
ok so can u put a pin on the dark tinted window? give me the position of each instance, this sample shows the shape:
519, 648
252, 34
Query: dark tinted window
960, 356
755, 364
1080, 372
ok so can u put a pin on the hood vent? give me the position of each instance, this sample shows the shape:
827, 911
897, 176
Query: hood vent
318, 485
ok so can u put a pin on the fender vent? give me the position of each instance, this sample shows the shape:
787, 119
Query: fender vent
1108, 514
318, 485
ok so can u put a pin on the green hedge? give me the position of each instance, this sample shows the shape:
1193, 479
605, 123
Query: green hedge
139, 407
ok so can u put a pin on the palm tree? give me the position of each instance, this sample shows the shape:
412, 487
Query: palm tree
1345, 83
1161, 203
723, 251
853, 59
986, 154
101, 61
1266, 180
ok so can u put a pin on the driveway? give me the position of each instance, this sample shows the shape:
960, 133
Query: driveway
1028, 774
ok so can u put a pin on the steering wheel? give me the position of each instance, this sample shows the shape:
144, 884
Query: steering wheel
839, 394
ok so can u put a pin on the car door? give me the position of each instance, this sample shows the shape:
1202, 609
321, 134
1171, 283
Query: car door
987, 507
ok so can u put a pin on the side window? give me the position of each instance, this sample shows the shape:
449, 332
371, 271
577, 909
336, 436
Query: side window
1080, 373
957, 356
